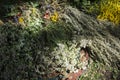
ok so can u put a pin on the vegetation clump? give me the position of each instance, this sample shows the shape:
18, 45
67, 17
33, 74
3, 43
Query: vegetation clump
60, 40
110, 10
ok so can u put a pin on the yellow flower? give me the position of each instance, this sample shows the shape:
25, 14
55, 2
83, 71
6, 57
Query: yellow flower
20, 19
54, 18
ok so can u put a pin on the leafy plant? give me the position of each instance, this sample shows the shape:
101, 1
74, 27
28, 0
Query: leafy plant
109, 10
22, 48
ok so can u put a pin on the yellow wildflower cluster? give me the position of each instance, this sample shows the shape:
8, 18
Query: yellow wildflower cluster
54, 9
20, 19
110, 10
54, 17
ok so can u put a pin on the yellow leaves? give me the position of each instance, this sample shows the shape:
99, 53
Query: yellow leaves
110, 11
99, 17
54, 17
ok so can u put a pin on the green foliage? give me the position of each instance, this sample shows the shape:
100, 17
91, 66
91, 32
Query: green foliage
9, 2
81, 3
90, 7
99, 71
102, 9
19, 47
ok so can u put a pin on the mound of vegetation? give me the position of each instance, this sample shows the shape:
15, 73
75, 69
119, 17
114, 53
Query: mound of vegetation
49, 40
